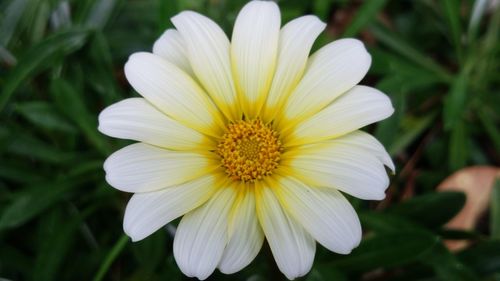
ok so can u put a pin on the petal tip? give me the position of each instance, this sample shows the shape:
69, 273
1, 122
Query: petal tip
178, 18
128, 231
260, 3
382, 195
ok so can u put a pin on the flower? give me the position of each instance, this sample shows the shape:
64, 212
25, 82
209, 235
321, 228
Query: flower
248, 140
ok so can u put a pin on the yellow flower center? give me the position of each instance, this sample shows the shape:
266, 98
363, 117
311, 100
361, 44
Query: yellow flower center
250, 150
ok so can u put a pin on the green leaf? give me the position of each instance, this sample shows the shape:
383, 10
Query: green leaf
364, 15
432, 209
384, 222
386, 250
447, 266
484, 257
40, 57
495, 210
459, 234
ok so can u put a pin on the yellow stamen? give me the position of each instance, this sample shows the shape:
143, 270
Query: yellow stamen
250, 150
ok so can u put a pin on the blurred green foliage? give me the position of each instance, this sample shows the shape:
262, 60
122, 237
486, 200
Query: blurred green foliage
61, 64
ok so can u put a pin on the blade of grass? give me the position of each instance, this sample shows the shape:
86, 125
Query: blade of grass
400, 46
44, 115
364, 15
490, 127
7, 57
60, 16
59, 235
100, 13
42, 15
475, 19
495, 210
110, 258
40, 57
100, 69
451, 9
32, 201
454, 104
30, 147
321, 8
15, 171
387, 130
11, 16
12, 256
458, 147
166, 10
70, 101
414, 130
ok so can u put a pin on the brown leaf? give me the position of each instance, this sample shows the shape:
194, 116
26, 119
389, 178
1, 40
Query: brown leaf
476, 182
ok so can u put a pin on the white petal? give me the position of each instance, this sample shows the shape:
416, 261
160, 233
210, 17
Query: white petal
148, 212
331, 71
292, 247
142, 168
357, 108
173, 92
246, 236
207, 47
138, 120
369, 143
296, 40
254, 47
339, 163
172, 47
202, 235
324, 213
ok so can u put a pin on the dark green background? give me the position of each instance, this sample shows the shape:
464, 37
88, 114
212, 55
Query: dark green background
61, 63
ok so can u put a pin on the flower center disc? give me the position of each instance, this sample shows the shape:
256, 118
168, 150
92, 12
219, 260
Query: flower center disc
249, 150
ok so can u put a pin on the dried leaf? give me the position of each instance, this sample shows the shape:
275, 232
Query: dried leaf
476, 182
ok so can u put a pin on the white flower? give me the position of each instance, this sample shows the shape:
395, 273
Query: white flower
248, 139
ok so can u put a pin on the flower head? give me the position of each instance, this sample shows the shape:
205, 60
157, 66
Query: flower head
248, 139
